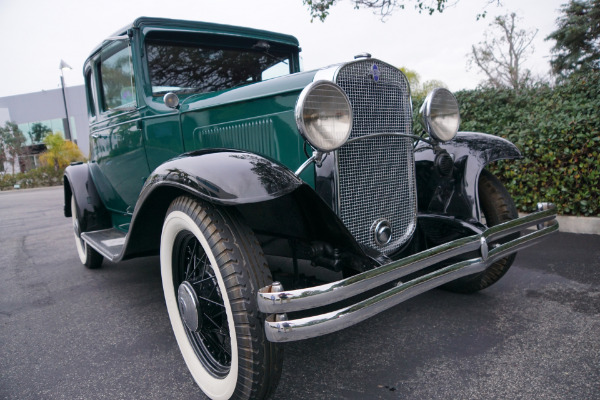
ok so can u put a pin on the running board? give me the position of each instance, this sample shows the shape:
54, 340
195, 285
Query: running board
108, 242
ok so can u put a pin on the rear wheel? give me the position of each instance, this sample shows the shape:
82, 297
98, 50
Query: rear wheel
497, 207
212, 267
88, 256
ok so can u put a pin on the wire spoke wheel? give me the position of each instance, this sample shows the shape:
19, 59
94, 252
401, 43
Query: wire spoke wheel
212, 267
210, 336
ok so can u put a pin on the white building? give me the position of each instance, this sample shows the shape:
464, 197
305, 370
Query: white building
47, 107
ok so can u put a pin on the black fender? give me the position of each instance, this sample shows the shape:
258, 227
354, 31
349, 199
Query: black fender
224, 177
455, 193
276, 204
92, 214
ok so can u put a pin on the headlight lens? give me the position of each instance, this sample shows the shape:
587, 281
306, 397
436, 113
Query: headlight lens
324, 115
440, 114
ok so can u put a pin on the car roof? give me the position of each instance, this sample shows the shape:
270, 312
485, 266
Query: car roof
200, 27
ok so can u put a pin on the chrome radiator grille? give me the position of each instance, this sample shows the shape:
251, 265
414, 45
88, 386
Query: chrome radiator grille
376, 175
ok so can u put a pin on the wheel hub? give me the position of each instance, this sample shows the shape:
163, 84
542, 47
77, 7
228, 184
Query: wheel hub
189, 307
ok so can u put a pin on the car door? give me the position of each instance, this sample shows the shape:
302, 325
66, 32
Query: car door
118, 159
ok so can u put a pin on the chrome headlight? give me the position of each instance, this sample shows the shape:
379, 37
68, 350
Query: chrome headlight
440, 114
324, 115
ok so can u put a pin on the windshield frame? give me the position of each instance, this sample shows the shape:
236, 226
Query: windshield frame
214, 43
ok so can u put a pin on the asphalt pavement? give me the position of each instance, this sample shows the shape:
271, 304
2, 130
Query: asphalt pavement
67, 332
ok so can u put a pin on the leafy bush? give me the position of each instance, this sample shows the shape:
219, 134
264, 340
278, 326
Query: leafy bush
42, 176
558, 131
60, 152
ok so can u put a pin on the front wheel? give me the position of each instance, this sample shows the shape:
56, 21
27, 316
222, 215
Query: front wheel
497, 207
212, 267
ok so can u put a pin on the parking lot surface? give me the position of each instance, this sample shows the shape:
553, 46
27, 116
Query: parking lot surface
67, 332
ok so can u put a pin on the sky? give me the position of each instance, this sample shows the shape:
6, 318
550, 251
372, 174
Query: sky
37, 34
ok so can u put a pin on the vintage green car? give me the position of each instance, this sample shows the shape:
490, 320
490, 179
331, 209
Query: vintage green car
210, 147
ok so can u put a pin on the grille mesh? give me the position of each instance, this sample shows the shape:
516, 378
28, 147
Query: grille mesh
376, 175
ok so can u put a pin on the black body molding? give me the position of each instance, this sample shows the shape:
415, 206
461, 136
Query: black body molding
92, 214
456, 195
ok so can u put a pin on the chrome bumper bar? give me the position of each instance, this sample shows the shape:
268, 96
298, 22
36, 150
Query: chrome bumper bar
278, 329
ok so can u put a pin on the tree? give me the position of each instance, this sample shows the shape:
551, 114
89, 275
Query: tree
11, 143
414, 79
319, 9
577, 47
38, 132
502, 54
420, 90
60, 152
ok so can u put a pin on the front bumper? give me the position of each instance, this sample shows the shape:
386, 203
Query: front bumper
277, 303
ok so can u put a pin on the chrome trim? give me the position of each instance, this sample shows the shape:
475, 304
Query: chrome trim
317, 296
276, 286
485, 250
367, 167
516, 225
302, 299
189, 307
544, 206
121, 37
328, 73
336, 183
301, 103
305, 165
382, 231
374, 135
171, 100
426, 113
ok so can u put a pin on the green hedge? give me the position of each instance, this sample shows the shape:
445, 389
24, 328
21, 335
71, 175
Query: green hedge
39, 177
558, 131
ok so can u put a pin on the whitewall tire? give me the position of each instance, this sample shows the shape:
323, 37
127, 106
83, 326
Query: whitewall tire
209, 261
88, 256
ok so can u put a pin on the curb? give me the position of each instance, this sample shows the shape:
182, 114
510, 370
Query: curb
569, 224
29, 189
588, 225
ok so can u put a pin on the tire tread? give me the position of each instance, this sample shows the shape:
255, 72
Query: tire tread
244, 270
498, 207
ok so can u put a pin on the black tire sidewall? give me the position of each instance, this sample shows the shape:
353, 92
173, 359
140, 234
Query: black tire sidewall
497, 206
240, 269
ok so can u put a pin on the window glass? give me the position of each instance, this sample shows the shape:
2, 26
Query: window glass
116, 74
280, 69
88, 92
195, 68
35, 132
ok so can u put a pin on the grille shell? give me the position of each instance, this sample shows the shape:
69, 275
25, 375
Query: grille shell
376, 176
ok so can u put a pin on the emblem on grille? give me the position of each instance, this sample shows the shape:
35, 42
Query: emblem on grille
375, 72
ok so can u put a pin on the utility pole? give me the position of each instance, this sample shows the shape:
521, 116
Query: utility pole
63, 65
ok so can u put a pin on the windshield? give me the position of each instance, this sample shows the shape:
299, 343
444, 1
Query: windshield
191, 68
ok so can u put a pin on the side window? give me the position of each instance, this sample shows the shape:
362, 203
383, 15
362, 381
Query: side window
116, 75
280, 69
89, 93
